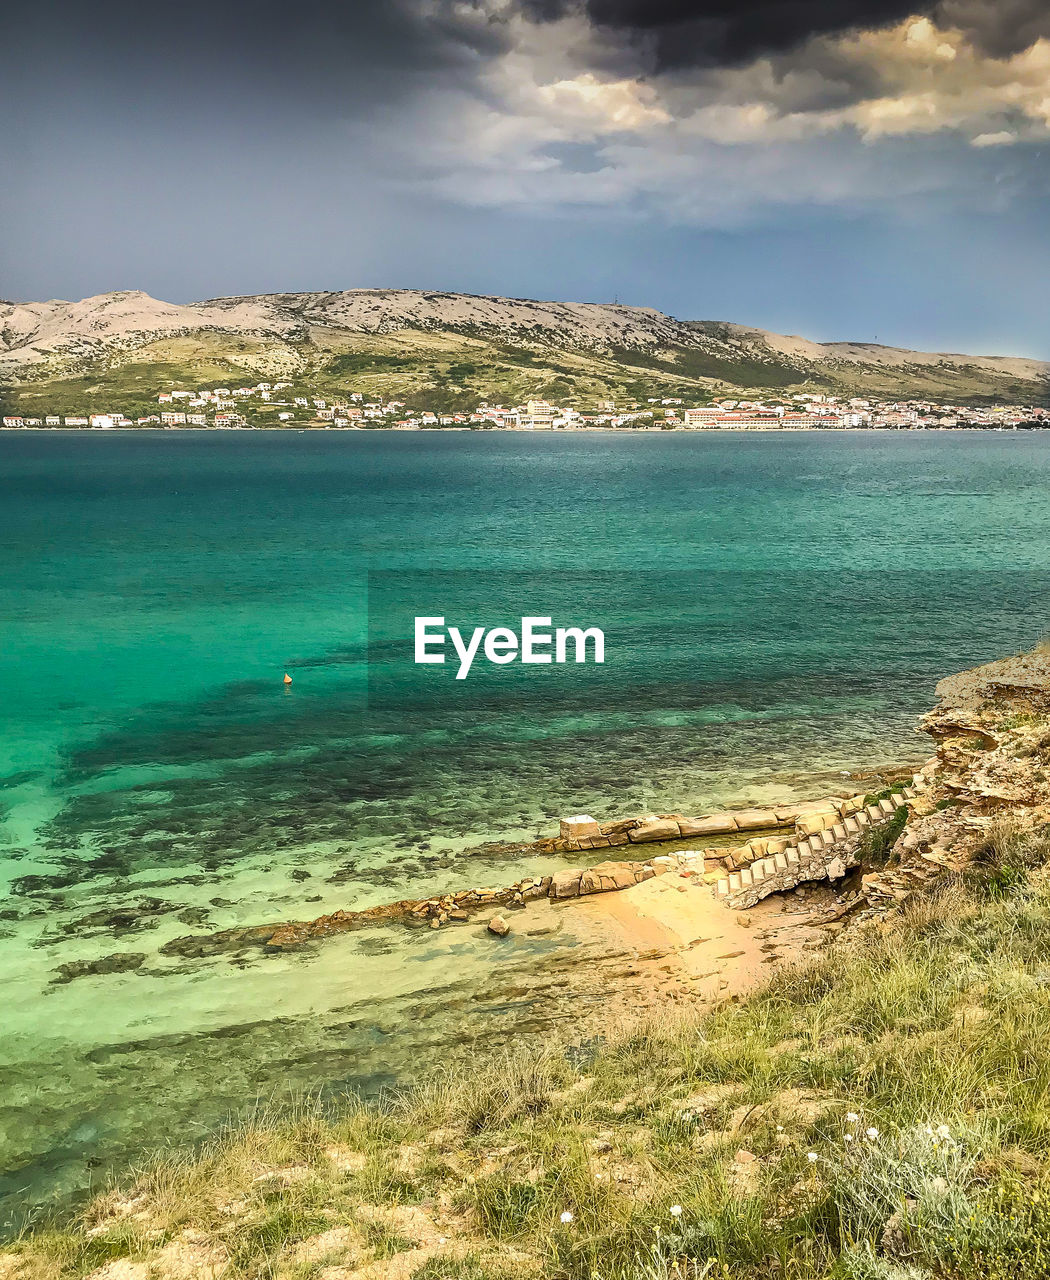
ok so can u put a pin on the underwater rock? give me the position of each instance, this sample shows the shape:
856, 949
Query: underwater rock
193, 915
119, 962
25, 885
285, 936
195, 946
132, 918
499, 926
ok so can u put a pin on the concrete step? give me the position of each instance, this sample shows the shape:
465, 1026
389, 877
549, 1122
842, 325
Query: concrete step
820, 843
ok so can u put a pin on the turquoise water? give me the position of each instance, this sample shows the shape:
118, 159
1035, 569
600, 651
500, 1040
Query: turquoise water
778, 609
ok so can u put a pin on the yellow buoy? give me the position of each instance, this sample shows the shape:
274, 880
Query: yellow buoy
287, 678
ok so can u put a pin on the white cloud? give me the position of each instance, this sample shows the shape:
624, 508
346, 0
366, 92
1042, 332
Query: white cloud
925, 90
880, 118
1004, 138
920, 34
608, 106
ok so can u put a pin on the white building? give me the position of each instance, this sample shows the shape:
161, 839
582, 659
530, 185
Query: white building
700, 417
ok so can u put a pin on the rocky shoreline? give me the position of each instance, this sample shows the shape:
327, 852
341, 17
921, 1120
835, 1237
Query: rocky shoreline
778, 830
822, 839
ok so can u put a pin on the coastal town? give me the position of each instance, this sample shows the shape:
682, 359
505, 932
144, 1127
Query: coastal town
282, 405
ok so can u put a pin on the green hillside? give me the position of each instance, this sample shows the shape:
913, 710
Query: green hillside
439, 371
450, 371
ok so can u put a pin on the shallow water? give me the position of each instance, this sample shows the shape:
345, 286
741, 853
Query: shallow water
778, 609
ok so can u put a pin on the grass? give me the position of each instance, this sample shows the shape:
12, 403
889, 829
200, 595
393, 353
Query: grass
894, 1095
873, 797
877, 841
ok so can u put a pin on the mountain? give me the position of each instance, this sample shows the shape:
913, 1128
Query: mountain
449, 350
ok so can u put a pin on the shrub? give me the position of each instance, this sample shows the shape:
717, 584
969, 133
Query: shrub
876, 842
1001, 866
889, 1189
873, 797
1006, 1236
865, 1264
913, 1206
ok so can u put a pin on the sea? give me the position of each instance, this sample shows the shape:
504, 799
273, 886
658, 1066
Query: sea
777, 610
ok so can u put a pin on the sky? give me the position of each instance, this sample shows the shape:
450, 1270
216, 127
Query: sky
844, 169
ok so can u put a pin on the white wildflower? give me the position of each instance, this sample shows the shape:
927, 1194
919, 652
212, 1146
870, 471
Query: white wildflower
847, 1137
812, 1157
943, 1131
852, 1117
871, 1134
676, 1211
566, 1216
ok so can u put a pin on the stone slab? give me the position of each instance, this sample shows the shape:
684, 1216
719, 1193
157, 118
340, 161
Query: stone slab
755, 819
715, 824
655, 829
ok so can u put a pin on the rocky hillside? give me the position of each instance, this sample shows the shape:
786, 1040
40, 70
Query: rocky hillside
489, 345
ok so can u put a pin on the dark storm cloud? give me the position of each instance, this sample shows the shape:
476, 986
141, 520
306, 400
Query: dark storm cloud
998, 27
683, 33
702, 33
377, 50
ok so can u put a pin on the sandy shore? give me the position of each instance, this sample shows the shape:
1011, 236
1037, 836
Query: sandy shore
685, 944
